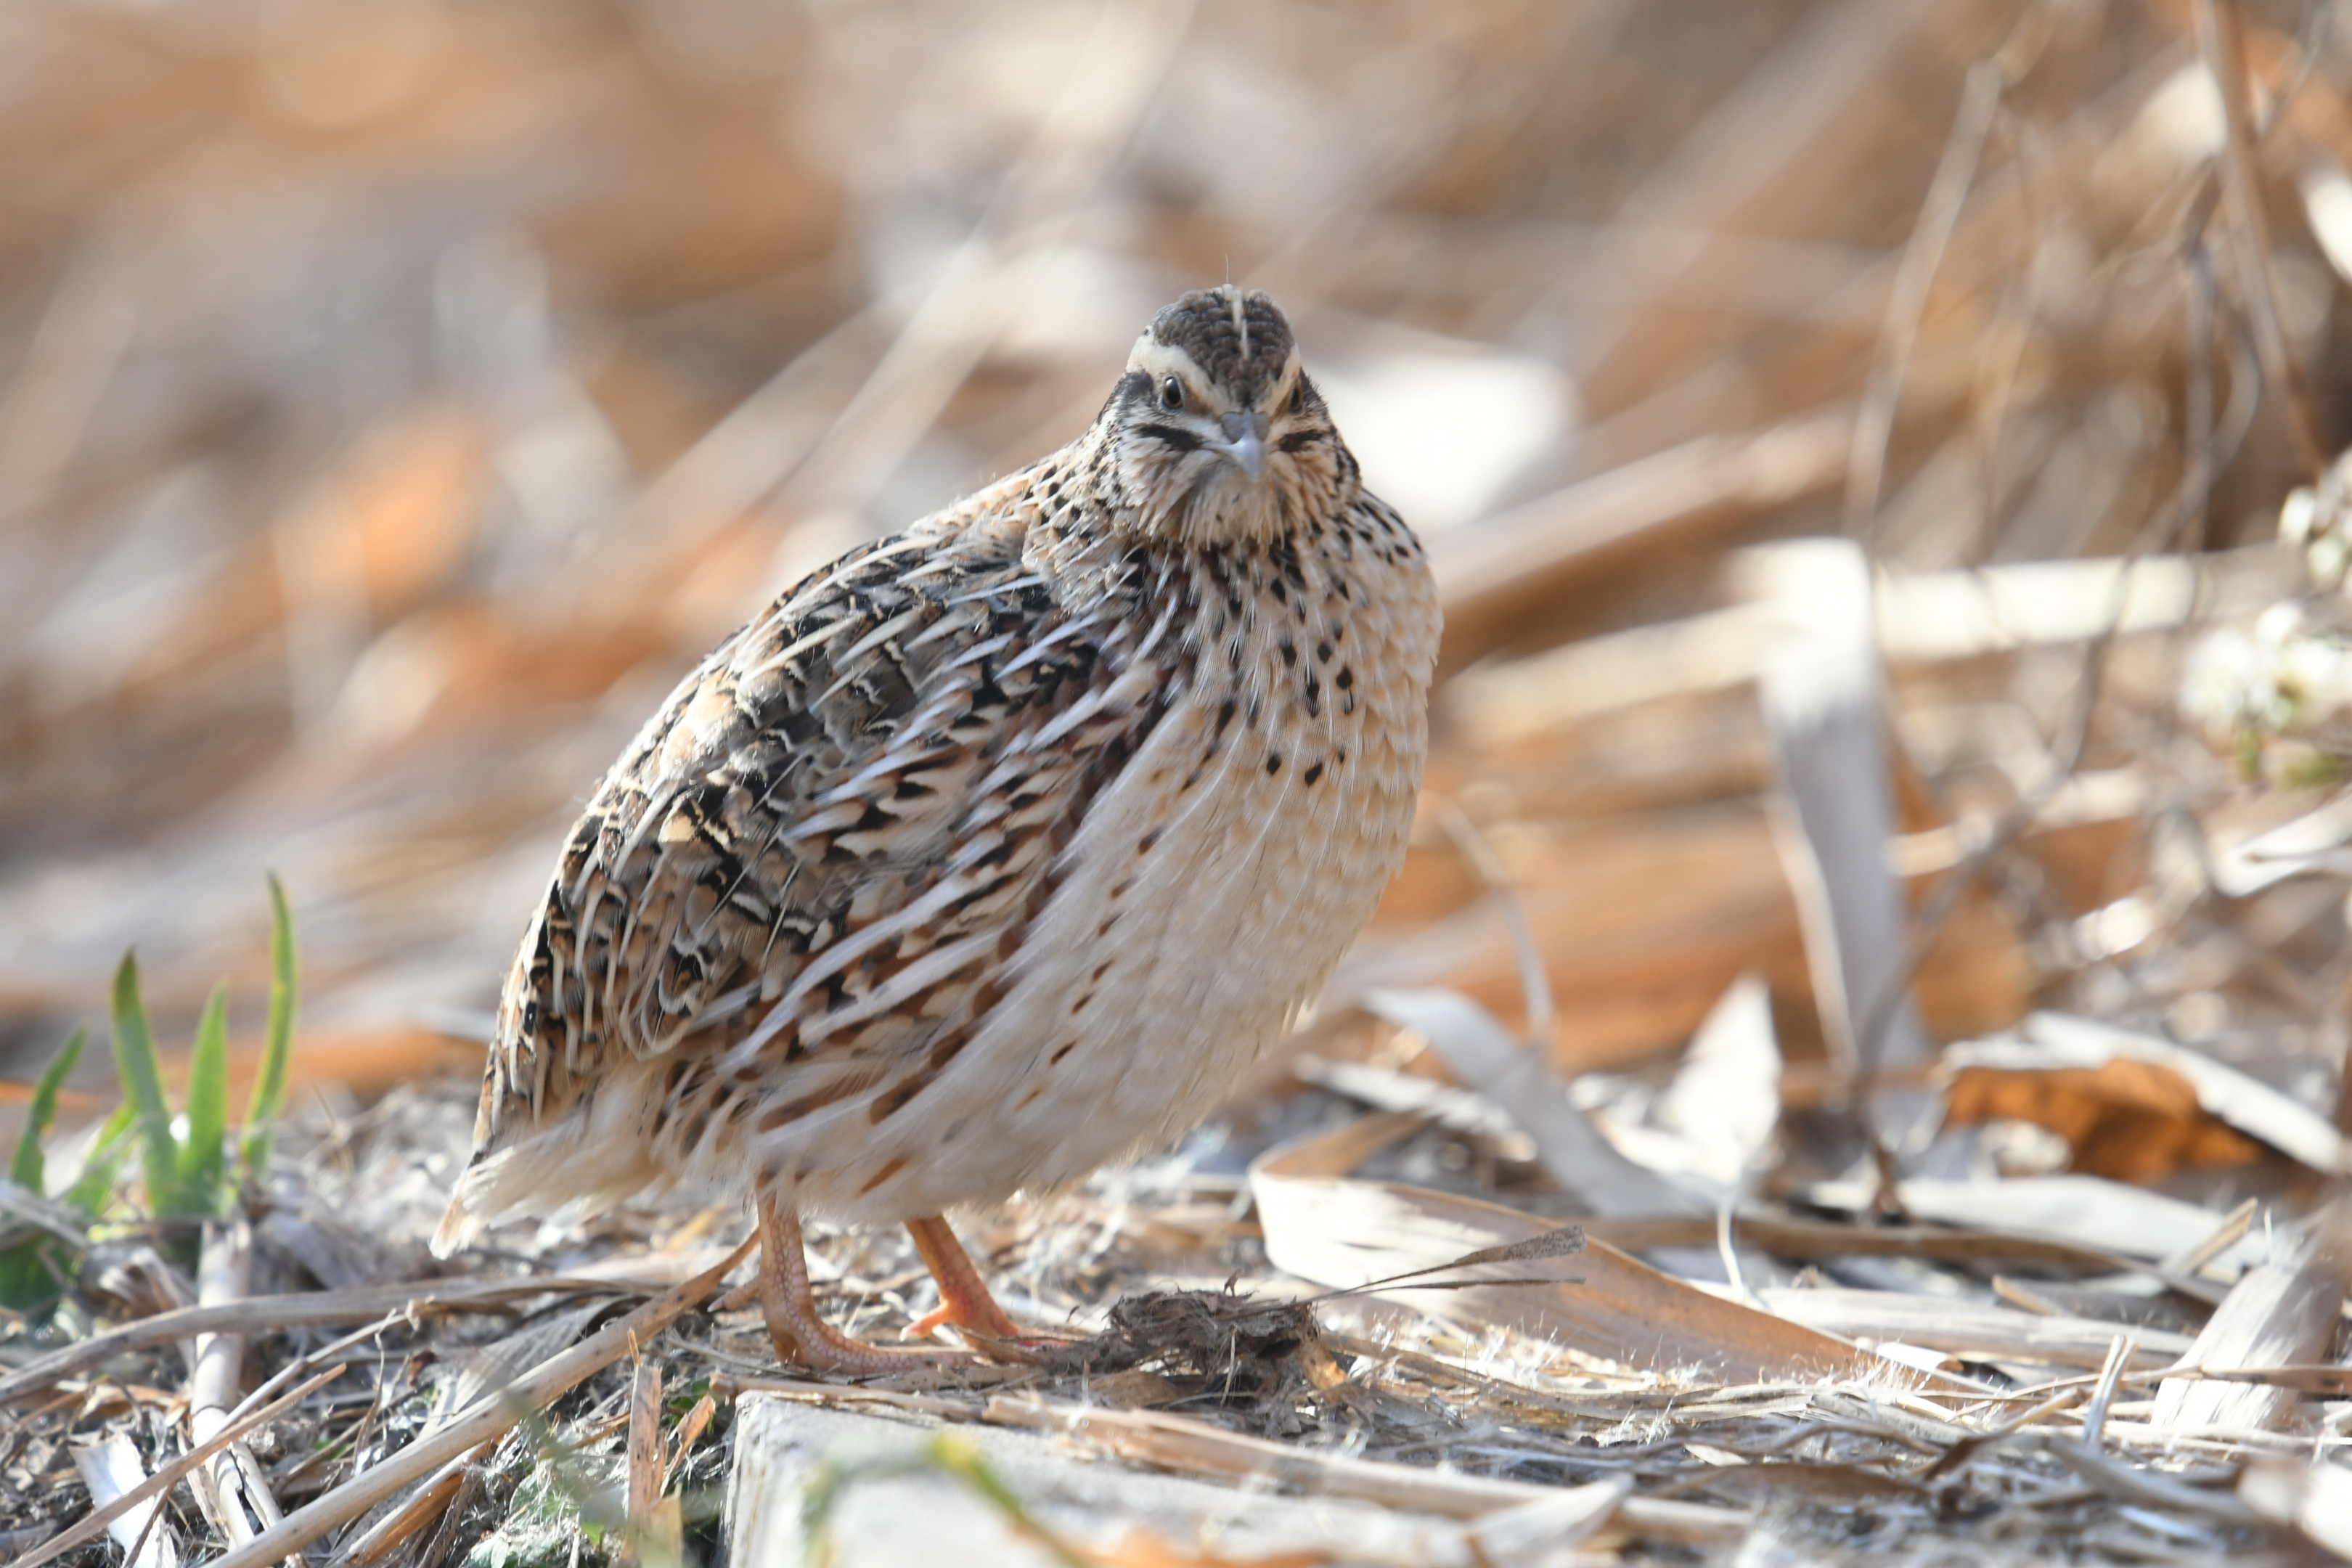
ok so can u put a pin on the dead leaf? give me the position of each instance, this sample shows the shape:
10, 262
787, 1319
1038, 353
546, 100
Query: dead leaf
2133, 1107
2129, 1121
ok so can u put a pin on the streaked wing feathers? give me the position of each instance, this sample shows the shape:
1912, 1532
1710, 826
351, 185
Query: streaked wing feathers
805, 880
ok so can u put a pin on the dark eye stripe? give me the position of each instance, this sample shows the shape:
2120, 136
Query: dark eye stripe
1181, 440
1299, 438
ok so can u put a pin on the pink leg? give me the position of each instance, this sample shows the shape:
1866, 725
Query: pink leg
794, 1323
965, 1300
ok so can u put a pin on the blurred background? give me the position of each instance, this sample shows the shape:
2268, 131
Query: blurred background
396, 397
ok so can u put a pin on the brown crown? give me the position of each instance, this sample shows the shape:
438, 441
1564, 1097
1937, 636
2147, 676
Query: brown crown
1242, 350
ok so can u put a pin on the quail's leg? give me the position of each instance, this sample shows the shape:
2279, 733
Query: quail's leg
965, 1300
800, 1334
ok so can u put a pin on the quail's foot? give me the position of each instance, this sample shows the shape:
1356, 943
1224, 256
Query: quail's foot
800, 1333
964, 1300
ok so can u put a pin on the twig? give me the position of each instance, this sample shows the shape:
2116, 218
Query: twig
2146, 1488
1535, 984
46, 1214
2220, 40
2164, 532
469, 1491
645, 1539
429, 1502
490, 1417
94, 1525
1906, 303
2103, 1394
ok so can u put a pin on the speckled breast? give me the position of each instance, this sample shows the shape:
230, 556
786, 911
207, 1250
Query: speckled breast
1205, 898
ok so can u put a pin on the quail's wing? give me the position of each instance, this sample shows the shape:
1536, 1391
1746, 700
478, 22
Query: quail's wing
825, 846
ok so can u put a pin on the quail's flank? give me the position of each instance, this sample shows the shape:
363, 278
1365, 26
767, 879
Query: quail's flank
992, 851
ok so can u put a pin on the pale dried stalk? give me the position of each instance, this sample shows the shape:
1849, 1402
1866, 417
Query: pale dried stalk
654, 1533
230, 1487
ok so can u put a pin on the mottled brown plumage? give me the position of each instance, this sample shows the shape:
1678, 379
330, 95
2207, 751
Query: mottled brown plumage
996, 849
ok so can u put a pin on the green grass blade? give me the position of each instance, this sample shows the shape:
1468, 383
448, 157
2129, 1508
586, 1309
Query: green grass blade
28, 1275
268, 1099
99, 1171
201, 1158
25, 1169
142, 1071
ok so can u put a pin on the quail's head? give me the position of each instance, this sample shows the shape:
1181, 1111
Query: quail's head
1217, 435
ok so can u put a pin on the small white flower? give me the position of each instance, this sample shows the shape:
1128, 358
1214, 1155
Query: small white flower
2325, 558
2220, 673
2296, 516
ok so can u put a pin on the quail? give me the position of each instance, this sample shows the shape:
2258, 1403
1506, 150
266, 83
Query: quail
994, 852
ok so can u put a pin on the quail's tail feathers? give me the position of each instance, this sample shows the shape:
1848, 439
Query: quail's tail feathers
578, 1165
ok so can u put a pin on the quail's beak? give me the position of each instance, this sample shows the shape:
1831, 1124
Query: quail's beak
1246, 440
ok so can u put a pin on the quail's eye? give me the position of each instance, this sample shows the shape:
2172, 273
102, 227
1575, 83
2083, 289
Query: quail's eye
1172, 394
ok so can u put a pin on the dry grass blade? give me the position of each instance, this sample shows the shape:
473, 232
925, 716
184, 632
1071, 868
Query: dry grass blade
1966, 1328
2149, 1487
493, 1415
1518, 1078
263, 1313
112, 1470
230, 1488
92, 1527
1821, 700
1821, 1239
1866, 464
2280, 1313
1343, 1232
689, 1432
1534, 1530
2103, 1392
